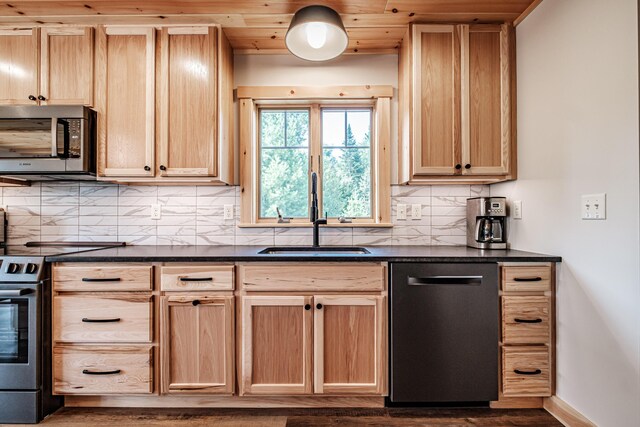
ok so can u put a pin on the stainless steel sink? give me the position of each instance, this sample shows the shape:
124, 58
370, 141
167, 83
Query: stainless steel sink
310, 250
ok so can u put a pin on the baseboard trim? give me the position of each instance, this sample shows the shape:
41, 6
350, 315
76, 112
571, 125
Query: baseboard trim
565, 413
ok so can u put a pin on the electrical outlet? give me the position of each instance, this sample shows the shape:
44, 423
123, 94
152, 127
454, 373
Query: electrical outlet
402, 211
516, 212
228, 211
416, 211
156, 211
594, 206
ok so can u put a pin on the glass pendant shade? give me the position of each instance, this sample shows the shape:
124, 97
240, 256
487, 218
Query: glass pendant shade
316, 33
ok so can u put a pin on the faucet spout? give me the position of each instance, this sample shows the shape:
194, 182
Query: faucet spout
313, 214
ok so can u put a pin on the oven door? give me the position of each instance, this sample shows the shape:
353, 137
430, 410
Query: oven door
19, 336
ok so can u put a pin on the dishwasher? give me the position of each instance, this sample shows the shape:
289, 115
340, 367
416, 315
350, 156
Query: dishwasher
444, 333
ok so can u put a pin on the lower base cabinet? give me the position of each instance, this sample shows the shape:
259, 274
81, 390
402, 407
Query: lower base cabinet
102, 370
197, 344
297, 345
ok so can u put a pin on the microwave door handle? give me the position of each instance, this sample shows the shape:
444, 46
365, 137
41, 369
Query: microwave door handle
54, 137
65, 132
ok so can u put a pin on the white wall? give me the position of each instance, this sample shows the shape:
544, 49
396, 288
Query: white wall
578, 134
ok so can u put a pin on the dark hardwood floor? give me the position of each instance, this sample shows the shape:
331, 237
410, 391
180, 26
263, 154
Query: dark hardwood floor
410, 417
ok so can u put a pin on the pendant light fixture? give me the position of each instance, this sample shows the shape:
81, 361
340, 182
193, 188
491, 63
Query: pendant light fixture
316, 33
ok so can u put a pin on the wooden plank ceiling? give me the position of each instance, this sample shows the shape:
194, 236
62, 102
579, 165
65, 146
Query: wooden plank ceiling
259, 26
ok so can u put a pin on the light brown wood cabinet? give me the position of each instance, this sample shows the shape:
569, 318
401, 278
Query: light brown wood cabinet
314, 339
456, 100
103, 323
166, 101
527, 344
47, 66
197, 344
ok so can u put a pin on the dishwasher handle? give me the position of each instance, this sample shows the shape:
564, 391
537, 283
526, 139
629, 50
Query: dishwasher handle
445, 280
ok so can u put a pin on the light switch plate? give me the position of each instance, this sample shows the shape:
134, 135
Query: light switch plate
228, 211
156, 211
516, 212
402, 211
416, 211
594, 206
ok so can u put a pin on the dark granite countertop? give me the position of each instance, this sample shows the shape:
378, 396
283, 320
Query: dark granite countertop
250, 253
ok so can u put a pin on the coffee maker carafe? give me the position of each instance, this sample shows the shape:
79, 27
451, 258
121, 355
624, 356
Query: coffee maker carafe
486, 222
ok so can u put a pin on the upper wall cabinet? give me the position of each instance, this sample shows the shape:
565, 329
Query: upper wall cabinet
47, 66
456, 101
166, 98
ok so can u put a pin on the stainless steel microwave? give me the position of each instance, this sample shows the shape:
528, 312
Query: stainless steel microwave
47, 142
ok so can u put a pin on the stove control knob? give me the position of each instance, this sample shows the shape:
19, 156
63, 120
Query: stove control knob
13, 268
31, 268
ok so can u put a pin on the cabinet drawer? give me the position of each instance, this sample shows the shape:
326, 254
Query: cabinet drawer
102, 278
102, 370
313, 277
526, 371
525, 320
197, 278
102, 319
526, 279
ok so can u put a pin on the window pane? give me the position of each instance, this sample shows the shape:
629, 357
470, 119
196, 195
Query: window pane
346, 182
333, 128
359, 126
284, 163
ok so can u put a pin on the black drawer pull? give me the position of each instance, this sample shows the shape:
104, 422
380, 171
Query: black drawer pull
445, 280
319, 306
528, 320
527, 279
519, 372
101, 279
196, 279
87, 320
195, 302
88, 372
307, 307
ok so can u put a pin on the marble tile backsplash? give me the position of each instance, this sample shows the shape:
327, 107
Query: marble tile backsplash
91, 211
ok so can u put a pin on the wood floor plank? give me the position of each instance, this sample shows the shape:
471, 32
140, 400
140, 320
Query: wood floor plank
303, 417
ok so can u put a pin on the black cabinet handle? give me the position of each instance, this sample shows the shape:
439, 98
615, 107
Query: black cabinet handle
147, 168
467, 166
88, 372
87, 320
195, 302
527, 279
319, 306
42, 98
519, 372
528, 320
307, 307
163, 168
458, 166
32, 98
196, 279
101, 279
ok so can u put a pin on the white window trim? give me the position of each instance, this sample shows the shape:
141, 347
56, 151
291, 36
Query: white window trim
250, 97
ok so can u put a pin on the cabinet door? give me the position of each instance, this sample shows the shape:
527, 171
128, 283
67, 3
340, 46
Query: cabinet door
350, 344
66, 66
276, 345
19, 66
436, 100
486, 134
125, 101
197, 344
188, 96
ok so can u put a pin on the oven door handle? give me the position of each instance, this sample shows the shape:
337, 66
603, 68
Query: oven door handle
14, 292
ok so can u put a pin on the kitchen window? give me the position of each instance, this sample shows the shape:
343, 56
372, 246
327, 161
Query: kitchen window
344, 141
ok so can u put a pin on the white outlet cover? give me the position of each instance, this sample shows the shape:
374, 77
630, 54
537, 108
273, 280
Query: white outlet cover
416, 211
156, 211
402, 211
228, 211
594, 206
516, 212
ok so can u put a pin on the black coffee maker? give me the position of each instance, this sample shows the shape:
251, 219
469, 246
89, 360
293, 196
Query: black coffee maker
486, 222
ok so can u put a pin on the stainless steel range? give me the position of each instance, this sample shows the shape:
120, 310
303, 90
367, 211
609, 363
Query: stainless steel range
25, 337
